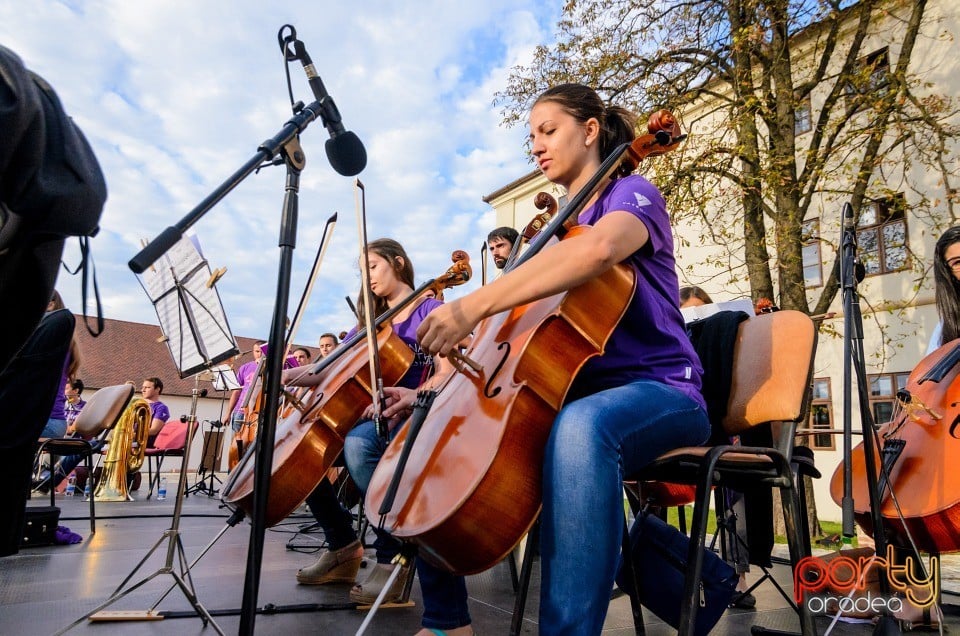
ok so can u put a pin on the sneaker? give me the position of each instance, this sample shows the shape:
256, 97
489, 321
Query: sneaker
743, 600
367, 592
334, 566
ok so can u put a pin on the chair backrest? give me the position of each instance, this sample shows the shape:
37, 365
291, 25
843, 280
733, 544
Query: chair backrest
773, 362
103, 409
173, 436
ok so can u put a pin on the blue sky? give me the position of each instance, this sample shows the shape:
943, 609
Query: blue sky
174, 96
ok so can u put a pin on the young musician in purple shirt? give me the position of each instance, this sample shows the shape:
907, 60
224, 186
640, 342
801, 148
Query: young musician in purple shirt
391, 281
637, 400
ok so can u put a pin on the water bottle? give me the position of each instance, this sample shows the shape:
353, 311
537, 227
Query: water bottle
162, 489
71, 486
86, 489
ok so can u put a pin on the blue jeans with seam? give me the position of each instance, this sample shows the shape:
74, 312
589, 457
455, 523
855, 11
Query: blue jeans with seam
444, 594
596, 441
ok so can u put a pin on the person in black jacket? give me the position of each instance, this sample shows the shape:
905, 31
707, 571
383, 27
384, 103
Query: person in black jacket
51, 187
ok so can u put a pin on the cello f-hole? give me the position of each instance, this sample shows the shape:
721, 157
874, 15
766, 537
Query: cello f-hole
505, 347
953, 427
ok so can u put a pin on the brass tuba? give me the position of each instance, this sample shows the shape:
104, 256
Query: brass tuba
128, 445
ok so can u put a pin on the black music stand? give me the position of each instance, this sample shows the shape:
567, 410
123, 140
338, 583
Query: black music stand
209, 460
224, 379
195, 329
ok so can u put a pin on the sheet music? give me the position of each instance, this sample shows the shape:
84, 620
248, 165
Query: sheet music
190, 313
692, 314
225, 378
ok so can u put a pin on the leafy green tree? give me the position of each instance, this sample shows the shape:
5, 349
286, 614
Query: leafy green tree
739, 73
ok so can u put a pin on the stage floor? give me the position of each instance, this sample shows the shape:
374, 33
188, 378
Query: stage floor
45, 589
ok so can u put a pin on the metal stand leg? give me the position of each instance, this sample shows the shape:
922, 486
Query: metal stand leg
171, 537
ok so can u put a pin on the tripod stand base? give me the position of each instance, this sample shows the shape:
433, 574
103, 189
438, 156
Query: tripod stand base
106, 616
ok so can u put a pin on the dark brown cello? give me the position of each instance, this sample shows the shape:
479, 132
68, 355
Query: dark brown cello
925, 476
310, 430
473, 475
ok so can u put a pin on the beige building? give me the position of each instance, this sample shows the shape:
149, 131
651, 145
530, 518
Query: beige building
897, 300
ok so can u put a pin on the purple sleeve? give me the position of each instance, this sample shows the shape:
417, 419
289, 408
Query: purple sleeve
160, 411
641, 198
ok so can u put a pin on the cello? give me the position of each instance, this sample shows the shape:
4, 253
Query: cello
310, 430
479, 451
922, 453
244, 436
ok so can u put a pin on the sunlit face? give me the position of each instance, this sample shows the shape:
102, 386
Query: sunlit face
70, 392
383, 278
301, 356
327, 344
148, 390
257, 352
952, 257
499, 250
565, 149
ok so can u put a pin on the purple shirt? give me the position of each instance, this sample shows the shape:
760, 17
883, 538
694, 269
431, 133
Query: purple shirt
159, 411
245, 377
650, 341
422, 367
406, 330
72, 410
57, 412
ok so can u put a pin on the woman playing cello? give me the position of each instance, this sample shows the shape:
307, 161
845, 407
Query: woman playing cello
637, 400
946, 277
391, 281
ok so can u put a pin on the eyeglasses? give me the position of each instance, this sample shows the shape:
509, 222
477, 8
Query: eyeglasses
954, 264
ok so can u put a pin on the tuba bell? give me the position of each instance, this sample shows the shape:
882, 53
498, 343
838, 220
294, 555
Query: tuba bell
128, 446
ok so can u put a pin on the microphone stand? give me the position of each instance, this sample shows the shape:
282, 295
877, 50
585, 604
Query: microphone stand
286, 141
853, 359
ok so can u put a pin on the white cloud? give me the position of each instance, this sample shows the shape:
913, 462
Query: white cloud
177, 95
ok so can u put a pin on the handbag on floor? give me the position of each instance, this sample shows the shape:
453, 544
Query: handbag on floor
659, 554
40, 526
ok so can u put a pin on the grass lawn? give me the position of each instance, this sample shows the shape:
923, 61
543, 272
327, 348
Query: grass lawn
830, 528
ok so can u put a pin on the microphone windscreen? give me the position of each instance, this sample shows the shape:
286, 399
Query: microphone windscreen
346, 154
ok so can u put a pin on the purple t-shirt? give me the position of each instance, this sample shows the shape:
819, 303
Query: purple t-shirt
59, 402
245, 377
650, 341
406, 330
72, 409
159, 411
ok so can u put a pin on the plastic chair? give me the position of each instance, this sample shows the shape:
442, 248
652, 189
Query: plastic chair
171, 441
773, 361
98, 417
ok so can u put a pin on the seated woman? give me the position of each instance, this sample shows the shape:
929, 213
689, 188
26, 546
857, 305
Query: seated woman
444, 595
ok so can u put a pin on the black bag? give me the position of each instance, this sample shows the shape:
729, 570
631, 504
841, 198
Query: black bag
51, 187
660, 559
40, 527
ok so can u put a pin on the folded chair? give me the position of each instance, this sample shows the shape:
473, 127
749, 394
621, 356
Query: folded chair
98, 417
773, 360
171, 441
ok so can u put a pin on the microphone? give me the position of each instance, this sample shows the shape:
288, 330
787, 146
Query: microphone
344, 149
847, 216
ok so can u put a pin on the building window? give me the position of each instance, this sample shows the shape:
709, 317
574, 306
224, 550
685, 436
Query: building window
882, 235
803, 117
871, 77
821, 414
812, 268
883, 394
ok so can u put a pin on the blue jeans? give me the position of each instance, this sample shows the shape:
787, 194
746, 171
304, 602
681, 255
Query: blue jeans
54, 428
595, 441
444, 595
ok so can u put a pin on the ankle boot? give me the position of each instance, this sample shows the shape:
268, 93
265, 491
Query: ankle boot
334, 566
367, 592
